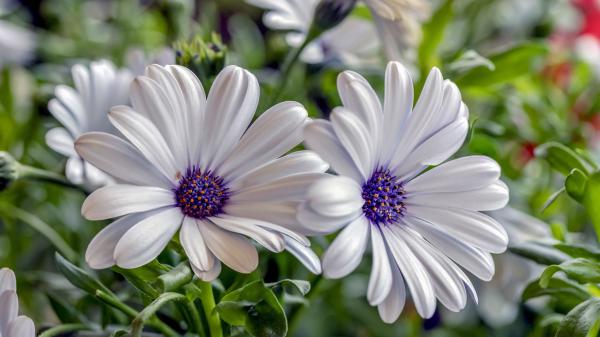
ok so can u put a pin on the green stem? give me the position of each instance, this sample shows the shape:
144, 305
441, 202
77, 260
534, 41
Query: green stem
137, 326
61, 329
196, 322
208, 303
26, 171
40, 226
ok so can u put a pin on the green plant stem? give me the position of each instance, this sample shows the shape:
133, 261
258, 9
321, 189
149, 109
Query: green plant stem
195, 315
40, 226
61, 329
35, 173
208, 303
137, 326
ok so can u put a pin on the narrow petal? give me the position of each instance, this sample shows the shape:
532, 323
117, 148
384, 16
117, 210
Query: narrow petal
391, 308
8, 280
273, 134
381, 279
355, 138
287, 188
358, 96
232, 249
194, 245
270, 240
317, 224
295, 163
120, 159
231, 104
59, 140
9, 308
100, 252
147, 239
320, 137
304, 254
64, 116
491, 197
282, 213
22, 326
208, 275
117, 200
335, 196
346, 251
142, 133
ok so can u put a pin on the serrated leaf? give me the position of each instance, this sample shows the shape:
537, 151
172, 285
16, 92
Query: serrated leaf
580, 270
580, 321
561, 158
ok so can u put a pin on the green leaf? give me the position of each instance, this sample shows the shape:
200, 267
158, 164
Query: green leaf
575, 184
567, 292
301, 286
65, 311
591, 201
581, 321
470, 60
552, 199
576, 250
433, 35
561, 158
255, 307
509, 64
580, 270
79, 277
540, 253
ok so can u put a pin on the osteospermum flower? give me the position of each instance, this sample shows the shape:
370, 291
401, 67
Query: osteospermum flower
193, 165
17, 44
422, 224
83, 109
12, 325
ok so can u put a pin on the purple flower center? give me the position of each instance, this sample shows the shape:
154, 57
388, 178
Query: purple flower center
201, 194
384, 198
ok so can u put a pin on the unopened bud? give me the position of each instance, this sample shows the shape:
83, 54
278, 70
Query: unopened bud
206, 58
329, 13
9, 169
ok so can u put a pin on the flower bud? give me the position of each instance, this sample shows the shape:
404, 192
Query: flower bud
206, 58
9, 169
329, 13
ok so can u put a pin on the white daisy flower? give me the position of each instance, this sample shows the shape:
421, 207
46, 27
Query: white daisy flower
193, 165
422, 224
17, 45
83, 109
12, 325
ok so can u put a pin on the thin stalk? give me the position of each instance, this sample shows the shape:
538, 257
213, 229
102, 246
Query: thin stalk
137, 326
196, 322
208, 303
26, 171
61, 329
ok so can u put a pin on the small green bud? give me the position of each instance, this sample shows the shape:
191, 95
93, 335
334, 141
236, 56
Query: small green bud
329, 13
9, 169
206, 58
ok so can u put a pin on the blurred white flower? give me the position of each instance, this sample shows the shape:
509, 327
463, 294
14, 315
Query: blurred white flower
137, 59
500, 298
587, 48
422, 225
193, 165
12, 325
83, 109
17, 45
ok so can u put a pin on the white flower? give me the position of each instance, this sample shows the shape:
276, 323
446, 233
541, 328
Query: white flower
17, 45
12, 325
193, 165
137, 59
83, 109
422, 225
500, 298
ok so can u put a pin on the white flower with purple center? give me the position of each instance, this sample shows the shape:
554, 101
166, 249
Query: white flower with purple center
194, 164
12, 325
422, 224
98, 87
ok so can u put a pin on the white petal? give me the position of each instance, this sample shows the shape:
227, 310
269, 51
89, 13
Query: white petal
463, 174
414, 273
100, 252
451, 107
160, 104
74, 170
391, 308
335, 196
59, 140
358, 96
397, 107
22, 326
295, 163
64, 116
381, 279
232, 249
147, 239
282, 213
317, 224
476, 261
346, 251
287, 188
320, 137
231, 103
248, 227
208, 275
474, 228
273, 134
488, 198
119, 159
355, 138
194, 245
142, 133
304, 254
9, 308
7, 280
117, 200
